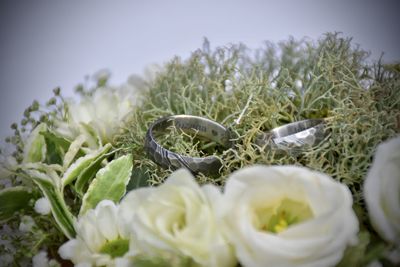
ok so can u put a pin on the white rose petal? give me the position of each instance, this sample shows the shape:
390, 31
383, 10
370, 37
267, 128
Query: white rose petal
177, 217
287, 216
42, 206
382, 191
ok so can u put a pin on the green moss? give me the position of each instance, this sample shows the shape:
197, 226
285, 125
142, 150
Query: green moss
272, 86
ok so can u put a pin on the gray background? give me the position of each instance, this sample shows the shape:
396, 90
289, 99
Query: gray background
45, 44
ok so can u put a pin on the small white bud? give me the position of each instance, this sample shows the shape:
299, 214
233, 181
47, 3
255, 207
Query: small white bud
42, 206
26, 224
228, 86
298, 84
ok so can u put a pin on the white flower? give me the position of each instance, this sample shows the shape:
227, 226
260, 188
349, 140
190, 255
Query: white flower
228, 87
26, 224
99, 116
382, 191
298, 84
42, 206
41, 260
102, 238
287, 216
103, 74
177, 217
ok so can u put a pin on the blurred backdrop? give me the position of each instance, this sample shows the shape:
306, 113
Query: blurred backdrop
47, 43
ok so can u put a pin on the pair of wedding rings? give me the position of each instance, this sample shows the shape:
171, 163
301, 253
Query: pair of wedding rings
292, 138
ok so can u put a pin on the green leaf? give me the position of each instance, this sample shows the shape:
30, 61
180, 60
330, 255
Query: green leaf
13, 199
73, 151
87, 175
83, 162
60, 211
110, 183
56, 147
56, 139
49, 170
35, 146
93, 137
354, 255
139, 178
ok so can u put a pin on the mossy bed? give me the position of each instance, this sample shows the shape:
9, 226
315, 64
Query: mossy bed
272, 86
254, 91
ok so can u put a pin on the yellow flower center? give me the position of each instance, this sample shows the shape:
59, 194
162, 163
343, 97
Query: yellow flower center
115, 248
279, 217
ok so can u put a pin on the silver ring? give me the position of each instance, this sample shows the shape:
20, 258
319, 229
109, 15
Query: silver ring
294, 137
202, 127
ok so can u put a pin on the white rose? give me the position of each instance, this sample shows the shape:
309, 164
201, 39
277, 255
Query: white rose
102, 238
177, 218
287, 216
382, 191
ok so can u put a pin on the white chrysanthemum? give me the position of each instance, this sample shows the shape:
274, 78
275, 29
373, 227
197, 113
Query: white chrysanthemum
42, 206
177, 217
102, 238
285, 216
382, 191
100, 116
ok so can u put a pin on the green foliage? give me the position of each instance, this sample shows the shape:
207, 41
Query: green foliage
275, 85
272, 86
13, 199
59, 209
248, 91
80, 167
110, 183
35, 149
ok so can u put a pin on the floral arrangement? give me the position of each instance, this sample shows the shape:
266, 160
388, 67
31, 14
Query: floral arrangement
77, 187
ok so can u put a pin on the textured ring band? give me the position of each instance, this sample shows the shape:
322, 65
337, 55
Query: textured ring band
202, 127
294, 137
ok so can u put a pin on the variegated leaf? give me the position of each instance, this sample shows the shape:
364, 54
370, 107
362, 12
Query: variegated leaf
88, 174
59, 209
110, 183
13, 199
35, 146
83, 162
73, 150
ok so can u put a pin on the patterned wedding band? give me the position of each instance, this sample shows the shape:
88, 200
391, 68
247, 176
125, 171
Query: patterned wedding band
294, 137
199, 126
